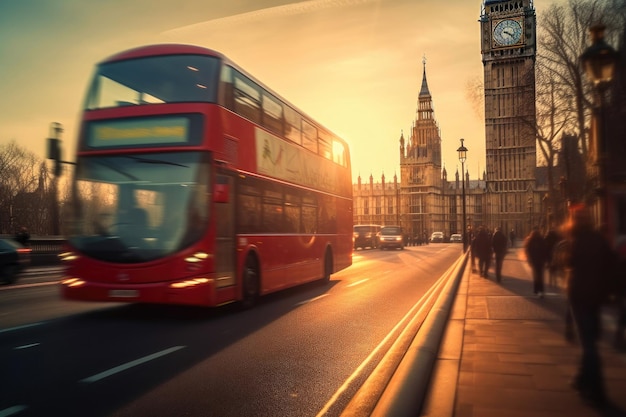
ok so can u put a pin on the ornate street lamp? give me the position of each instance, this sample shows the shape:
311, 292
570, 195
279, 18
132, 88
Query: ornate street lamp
462, 158
599, 61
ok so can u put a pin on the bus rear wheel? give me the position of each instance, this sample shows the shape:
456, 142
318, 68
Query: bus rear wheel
250, 282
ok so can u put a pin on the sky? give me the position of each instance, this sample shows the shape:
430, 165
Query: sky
355, 66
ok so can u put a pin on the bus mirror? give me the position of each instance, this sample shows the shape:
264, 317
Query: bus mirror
220, 194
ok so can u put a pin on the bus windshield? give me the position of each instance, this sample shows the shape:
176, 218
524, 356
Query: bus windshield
153, 80
139, 207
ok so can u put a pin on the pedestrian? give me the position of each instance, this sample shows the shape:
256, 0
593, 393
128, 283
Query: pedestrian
512, 237
535, 249
473, 249
22, 236
551, 238
620, 297
590, 264
483, 251
499, 244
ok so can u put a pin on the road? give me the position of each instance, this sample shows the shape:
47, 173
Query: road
301, 352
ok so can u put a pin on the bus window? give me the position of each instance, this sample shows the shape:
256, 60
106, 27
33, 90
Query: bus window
325, 145
309, 136
226, 98
292, 213
309, 214
153, 80
247, 98
339, 153
272, 114
272, 212
293, 125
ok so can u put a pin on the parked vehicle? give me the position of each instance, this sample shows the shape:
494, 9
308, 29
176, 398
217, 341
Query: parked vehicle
456, 238
366, 236
436, 237
391, 237
13, 259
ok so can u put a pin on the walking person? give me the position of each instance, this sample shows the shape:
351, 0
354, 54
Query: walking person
483, 251
551, 239
512, 237
590, 263
499, 244
535, 249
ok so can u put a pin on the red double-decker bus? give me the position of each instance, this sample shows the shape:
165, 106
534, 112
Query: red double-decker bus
197, 184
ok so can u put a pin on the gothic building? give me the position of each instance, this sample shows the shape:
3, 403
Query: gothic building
424, 201
511, 193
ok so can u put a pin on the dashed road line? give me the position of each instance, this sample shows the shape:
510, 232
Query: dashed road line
128, 365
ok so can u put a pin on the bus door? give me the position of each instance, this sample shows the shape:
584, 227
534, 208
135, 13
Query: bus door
224, 204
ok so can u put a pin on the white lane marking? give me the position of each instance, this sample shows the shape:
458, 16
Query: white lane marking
358, 282
128, 365
26, 346
311, 299
10, 329
12, 410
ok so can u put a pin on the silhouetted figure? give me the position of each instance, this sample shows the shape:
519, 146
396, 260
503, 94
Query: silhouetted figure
483, 251
551, 239
535, 248
22, 236
512, 237
499, 244
590, 265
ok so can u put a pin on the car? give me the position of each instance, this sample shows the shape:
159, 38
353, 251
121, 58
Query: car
366, 236
436, 237
391, 237
13, 259
456, 238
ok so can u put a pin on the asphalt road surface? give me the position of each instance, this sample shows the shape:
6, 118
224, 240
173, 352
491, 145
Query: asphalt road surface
300, 352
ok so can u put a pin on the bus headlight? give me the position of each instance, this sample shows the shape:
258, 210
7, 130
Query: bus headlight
73, 282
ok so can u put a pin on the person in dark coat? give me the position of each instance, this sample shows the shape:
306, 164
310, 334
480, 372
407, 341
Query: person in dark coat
590, 263
551, 239
499, 244
483, 251
22, 236
535, 248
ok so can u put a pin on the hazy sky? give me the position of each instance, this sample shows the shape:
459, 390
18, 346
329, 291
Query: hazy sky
353, 65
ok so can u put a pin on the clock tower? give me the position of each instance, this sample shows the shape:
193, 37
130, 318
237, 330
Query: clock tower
508, 48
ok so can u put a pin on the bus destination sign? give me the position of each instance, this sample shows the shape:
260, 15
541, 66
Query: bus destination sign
151, 131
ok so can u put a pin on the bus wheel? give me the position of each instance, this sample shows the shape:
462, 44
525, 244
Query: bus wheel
250, 282
328, 266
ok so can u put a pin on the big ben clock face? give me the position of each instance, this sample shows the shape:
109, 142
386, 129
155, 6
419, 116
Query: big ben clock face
507, 32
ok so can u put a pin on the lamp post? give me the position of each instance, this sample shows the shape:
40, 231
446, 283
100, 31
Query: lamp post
599, 61
462, 158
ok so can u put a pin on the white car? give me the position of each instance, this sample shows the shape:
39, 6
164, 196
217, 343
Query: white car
456, 238
436, 237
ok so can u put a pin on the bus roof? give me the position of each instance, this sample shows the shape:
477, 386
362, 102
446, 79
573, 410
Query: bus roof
162, 49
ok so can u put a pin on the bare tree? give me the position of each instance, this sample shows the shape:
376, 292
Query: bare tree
563, 38
20, 173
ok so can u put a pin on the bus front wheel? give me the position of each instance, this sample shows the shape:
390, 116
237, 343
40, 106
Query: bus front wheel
250, 282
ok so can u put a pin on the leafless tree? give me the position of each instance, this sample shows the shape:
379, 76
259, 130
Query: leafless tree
21, 175
563, 37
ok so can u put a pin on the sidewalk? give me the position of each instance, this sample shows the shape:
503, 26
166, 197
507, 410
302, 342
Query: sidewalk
504, 353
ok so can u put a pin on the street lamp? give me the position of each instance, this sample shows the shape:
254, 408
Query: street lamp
599, 61
462, 158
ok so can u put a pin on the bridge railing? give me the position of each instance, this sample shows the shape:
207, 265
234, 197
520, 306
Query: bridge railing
45, 249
